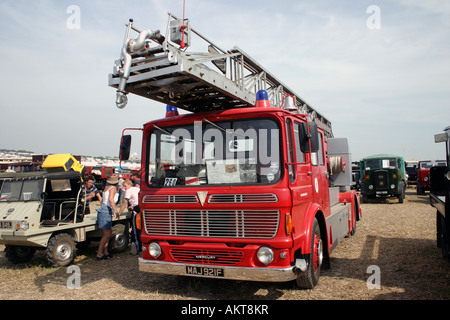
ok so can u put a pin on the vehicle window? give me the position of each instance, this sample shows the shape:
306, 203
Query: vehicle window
205, 153
380, 164
21, 190
317, 157
290, 150
60, 185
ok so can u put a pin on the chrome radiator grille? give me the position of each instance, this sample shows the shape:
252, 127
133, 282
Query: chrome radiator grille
207, 256
256, 224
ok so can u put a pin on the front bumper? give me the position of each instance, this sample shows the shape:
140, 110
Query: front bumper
230, 273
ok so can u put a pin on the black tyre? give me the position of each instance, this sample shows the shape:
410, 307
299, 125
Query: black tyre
61, 250
19, 254
401, 195
441, 234
310, 278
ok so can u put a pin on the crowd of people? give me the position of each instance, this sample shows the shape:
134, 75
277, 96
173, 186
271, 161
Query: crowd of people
119, 195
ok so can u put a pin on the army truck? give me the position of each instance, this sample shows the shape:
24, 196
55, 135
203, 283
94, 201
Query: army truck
46, 211
383, 175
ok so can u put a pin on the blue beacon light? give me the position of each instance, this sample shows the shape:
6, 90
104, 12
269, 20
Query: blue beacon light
262, 99
171, 111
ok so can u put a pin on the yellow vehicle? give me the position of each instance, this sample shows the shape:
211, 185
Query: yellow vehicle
62, 162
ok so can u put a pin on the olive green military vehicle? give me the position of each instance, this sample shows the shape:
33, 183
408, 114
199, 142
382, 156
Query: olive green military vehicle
383, 175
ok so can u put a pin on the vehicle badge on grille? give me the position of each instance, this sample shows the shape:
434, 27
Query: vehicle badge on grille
202, 196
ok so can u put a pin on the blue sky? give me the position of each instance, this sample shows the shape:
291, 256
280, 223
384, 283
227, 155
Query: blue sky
386, 89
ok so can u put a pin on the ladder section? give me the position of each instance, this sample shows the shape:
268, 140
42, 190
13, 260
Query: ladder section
159, 68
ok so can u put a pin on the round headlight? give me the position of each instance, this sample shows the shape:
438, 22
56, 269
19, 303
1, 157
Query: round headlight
392, 186
265, 255
23, 225
425, 179
371, 187
154, 249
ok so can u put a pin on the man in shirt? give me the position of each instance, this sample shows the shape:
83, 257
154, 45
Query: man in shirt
132, 200
136, 179
90, 191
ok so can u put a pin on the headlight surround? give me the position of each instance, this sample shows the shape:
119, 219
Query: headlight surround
154, 250
265, 255
23, 225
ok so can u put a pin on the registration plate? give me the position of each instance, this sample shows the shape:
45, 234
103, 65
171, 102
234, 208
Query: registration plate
5, 224
204, 271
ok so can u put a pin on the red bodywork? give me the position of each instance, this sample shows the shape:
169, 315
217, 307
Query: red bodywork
300, 199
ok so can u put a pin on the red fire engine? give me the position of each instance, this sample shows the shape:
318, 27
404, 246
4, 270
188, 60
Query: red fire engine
251, 185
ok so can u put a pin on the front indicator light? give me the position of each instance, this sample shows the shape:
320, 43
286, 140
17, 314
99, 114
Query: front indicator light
288, 223
265, 255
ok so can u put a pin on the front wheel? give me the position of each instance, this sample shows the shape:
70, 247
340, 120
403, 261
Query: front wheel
61, 250
310, 278
19, 254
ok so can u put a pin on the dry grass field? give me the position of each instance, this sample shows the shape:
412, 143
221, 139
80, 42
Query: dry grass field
399, 239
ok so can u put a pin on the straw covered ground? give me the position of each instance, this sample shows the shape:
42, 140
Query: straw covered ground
395, 241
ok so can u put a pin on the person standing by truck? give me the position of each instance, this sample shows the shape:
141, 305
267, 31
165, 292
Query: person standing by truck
132, 200
104, 217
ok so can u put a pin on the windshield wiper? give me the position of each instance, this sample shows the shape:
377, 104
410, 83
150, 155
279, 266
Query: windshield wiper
218, 127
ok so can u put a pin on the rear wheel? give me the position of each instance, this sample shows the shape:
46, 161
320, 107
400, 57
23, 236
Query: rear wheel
120, 238
310, 278
441, 236
401, 195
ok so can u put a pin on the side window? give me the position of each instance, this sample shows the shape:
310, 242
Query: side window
290, 150
321, 160
317, 157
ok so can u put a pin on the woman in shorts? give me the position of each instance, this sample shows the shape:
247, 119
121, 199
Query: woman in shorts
104, 217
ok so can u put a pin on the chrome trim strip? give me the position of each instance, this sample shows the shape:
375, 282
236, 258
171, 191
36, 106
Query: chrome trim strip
230, 273
243, 198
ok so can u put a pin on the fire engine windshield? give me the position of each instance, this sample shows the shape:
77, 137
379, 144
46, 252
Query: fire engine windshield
208, 153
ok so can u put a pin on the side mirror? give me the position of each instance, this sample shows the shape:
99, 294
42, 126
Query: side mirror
125, 146
312, 136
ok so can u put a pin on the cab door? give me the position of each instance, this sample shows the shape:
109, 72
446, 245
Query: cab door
299, 171
320, 175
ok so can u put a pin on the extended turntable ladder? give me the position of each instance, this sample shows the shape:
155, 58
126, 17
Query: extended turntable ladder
195, 81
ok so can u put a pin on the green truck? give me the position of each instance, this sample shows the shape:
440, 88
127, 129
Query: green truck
383, 175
